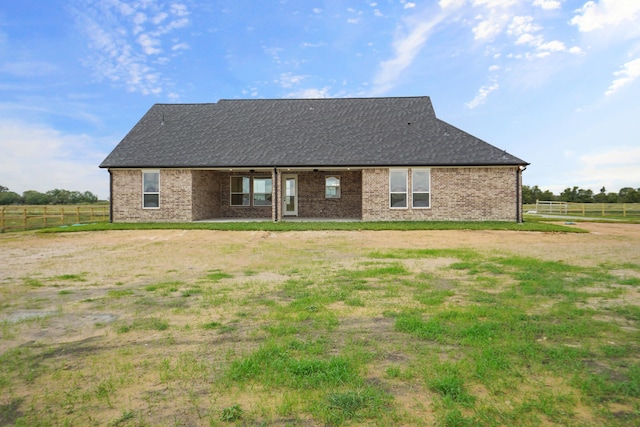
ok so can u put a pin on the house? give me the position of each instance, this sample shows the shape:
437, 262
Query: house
370, 159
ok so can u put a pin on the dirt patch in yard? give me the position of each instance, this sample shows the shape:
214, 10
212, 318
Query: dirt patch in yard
107, 295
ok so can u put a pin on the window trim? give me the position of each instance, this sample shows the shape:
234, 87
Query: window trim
145, 193
427, 192
338, 194
406, 188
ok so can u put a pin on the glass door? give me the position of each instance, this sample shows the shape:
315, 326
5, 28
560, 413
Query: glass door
290, 199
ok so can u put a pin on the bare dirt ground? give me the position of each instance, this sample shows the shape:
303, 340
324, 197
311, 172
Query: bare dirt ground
63, 272
142, 257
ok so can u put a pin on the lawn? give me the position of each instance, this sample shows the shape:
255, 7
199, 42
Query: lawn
200, 327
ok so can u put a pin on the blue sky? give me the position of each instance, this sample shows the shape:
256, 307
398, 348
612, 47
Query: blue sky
554, 82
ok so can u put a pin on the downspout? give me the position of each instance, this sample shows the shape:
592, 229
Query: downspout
110, 196
518, 191
275, 189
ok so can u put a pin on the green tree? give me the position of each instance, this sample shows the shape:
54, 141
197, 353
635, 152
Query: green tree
32, 197
9, 198
576, 194
531, 194
629, 195
59, 197
602, 196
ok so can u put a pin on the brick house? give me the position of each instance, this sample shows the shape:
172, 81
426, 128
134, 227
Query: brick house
352, 158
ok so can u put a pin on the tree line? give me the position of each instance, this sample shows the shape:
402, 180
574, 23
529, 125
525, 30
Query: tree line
51, 197
580, 195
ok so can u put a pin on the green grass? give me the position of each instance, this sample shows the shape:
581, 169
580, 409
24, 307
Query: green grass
480, 339
532, 225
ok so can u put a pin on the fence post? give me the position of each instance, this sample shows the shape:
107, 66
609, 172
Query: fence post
77, 214
44, 216
2, 221
624, 209
24, 218
603, 209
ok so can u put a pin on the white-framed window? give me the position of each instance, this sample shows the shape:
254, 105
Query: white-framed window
332, 187
240, 191
421, 188
398, 186
261, 191
150, 189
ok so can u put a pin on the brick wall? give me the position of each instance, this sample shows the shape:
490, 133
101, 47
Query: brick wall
175, 196
205, 194
312, 202
487, 193
225, 210
458, 194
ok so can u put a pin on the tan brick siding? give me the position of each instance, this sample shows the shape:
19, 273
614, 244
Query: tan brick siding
312, 202
457, 194
205, 194
474, 194
175, 196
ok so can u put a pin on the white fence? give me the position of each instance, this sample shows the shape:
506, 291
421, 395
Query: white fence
551, 207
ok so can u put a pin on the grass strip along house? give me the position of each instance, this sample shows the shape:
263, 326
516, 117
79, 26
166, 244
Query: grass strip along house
370, 159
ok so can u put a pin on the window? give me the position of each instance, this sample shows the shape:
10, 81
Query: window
420, 188
248, 191
332, 187
398, 188
240, 195
261, 191
150, 189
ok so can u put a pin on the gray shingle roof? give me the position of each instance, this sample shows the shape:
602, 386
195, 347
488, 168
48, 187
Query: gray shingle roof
300, 132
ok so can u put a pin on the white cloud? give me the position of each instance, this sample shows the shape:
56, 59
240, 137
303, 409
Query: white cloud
616, 168
522, 25
597, 15
405, 48
179, 9
553, 46
482, 95
617, 156
547, 4
629, 72
123, 59
288, 80
157, 20
489, 28
451, 4
494, 4
38, 157
180, 46
310, 93
409, 5
149, 45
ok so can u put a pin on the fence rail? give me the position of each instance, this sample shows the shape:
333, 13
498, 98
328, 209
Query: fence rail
33, 217
594, 210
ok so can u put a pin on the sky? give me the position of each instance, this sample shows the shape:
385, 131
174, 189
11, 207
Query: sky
553, 82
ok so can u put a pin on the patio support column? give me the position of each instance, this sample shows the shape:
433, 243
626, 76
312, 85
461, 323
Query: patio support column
275, 197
